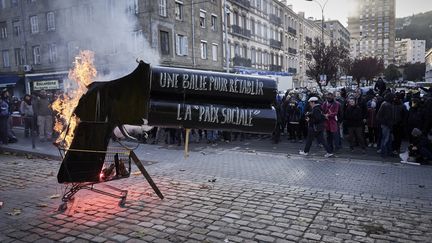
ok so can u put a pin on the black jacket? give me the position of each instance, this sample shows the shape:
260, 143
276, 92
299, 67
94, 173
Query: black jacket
353, 116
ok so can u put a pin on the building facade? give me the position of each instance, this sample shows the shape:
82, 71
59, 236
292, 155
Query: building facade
44, 37
373, 31
185, 33
338, 33
428, 60
409, 51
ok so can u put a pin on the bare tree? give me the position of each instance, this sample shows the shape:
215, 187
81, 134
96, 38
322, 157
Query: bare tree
367, 68
327, 59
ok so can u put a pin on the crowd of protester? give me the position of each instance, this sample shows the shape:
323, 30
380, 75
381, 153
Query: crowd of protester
376, 119
34, 112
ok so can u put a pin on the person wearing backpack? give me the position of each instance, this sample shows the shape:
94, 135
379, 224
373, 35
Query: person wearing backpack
315, 119
4, 117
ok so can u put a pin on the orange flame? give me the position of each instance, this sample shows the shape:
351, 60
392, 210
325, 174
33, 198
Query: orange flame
82, 74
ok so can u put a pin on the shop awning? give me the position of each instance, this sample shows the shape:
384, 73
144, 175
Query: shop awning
47, 76
8, 79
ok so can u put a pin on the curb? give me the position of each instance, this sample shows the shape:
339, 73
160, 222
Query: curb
20, 152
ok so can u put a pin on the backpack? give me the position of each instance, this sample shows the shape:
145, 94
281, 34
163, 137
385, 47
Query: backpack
4, 108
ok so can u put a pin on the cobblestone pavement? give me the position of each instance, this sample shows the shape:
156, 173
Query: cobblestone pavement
224, 195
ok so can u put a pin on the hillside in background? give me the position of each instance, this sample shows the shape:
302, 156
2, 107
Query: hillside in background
418, 26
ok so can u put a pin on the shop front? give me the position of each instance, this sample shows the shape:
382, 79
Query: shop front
51, 82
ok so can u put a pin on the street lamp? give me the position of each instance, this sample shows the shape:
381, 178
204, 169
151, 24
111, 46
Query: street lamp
357, 46
322, 6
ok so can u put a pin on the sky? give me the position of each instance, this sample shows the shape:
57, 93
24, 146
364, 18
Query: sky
340, 9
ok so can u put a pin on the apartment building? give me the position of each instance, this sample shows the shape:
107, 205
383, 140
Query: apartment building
338, 33
428, 60
254, 35
185, 33
409, 51
373, 31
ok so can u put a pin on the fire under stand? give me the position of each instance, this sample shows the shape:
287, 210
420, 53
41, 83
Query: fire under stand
116, 165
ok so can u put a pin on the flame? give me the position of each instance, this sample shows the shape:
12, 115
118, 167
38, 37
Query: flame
82, 75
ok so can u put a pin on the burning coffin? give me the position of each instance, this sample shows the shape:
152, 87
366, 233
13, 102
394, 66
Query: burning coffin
168, 97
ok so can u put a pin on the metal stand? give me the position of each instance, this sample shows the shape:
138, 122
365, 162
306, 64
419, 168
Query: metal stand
75, 187
68, 196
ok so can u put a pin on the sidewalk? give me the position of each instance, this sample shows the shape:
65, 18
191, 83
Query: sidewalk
255, 144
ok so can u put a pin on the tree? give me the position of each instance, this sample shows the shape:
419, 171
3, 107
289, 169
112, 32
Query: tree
326, 60
366, 68
414, 72
391, 73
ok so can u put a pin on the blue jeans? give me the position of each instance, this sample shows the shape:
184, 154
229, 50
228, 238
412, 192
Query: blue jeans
386, 140
211, 135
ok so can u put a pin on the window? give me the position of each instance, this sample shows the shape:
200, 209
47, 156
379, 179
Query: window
36, 55
2, 4
52, 53
137, 40
213, 22
181, 45
253, 56
214, 52
132, 7
16, 25
163, 8
203, 47
179, 10
50, 21
3, 30
34, 24
5, 55
14, 3
202, 19
19, 59
164, 42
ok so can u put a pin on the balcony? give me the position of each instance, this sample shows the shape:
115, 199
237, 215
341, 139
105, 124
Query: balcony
242, 61
239, 31
276, 44
292, 31
292, 51
275, 19
292, 70
275, 68
242, 3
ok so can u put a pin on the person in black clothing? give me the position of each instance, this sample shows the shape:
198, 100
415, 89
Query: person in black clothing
421, 146
380, 86
315, 119
355, 124
293, 119
414, 118
4, 116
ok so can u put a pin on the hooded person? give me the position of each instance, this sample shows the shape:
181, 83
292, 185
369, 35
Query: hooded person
421, 147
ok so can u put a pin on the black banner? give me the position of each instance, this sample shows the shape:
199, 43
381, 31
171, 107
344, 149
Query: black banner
197, 84
168, 113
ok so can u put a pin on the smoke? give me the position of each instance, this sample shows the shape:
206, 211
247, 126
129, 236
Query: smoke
111, 29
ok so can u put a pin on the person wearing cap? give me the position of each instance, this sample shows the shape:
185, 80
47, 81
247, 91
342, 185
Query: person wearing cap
315, 119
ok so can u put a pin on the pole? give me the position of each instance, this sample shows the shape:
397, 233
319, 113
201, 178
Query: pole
186, 152
227, 52
193, 34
